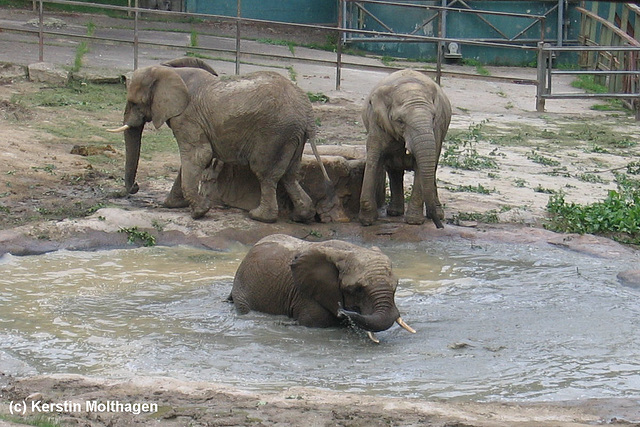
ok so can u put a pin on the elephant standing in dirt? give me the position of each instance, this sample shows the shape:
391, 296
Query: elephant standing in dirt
407, 116
261, 120
318, 284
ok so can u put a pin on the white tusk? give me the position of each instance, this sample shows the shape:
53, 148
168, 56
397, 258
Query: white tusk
373, 337
404, 325
120, 129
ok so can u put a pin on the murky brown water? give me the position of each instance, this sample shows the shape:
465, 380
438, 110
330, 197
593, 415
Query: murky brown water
494, 321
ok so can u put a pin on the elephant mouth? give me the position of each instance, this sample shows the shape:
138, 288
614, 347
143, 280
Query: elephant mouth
353, 314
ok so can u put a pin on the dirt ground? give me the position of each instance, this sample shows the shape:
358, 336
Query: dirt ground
53, 196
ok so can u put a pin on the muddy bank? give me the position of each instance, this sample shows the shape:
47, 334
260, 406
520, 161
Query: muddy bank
181, 403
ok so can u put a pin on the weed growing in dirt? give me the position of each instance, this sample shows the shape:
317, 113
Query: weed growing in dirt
618, 216
478, 189
536, 157
317, 97
134, 235
460, 151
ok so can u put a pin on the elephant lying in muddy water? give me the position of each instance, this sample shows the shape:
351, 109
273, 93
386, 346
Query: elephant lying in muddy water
407, 116
318, 284
261, 120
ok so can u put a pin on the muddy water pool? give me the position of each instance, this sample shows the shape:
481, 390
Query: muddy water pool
495, 322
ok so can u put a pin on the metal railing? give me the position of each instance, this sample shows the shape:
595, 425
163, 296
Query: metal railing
546, 73
135, 12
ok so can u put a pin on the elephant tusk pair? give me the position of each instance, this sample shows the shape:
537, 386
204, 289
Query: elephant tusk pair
405, 326
400, 322
120, 129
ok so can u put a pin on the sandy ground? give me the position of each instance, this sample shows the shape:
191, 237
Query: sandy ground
77, 197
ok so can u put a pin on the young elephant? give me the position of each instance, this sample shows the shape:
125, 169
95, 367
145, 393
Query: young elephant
407, 116
318, 284
261, 120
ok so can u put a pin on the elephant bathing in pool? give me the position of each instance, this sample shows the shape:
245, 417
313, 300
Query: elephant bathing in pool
319, 284
407, 116
261, 120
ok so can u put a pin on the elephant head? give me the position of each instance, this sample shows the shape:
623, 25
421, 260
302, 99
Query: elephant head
155, 94
350, 282
409, 108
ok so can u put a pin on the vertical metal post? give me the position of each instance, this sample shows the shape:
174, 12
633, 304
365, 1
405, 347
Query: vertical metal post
560, 21
41, 33
439, 46
135, 36
341, 5
238, 14
540, 89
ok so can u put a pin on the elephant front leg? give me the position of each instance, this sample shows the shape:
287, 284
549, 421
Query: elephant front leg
396, 187
197, 178
267, 210
368, 205
176, 199
415, 209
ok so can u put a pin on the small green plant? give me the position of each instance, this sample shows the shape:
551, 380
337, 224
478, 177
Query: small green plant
536, 157
541, 189
480, 69
193, 39
318, 97
293, 75
460, 152
521, 183
590, 177
134, 235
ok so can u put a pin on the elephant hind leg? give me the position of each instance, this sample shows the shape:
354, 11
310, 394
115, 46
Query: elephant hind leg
303, 210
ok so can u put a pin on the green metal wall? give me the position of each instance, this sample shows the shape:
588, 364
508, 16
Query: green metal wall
296, 11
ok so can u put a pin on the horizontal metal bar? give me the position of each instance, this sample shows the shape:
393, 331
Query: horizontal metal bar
449, 9
594, 72
589, 95
547, 48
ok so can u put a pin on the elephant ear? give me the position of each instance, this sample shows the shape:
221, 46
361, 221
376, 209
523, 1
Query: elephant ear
170, 95
380, 103
317, 277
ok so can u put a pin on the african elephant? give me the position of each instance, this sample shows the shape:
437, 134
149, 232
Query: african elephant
318, 284
261, 120
406, 116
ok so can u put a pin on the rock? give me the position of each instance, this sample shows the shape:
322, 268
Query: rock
630, 278
48, 73
11, 72
98, 75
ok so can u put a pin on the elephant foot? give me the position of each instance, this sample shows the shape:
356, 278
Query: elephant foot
305, 215
395, 211
199, 212
414, 219
439, 213
367, 219
175, 202
263, 215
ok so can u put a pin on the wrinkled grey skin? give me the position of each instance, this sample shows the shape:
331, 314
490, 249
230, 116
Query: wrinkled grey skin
407, 116
318, 284
261, 120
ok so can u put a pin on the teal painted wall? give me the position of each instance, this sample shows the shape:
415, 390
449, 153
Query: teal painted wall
296, 11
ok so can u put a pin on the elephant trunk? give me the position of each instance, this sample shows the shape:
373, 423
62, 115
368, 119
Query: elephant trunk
421, 142
381, 318
132, 139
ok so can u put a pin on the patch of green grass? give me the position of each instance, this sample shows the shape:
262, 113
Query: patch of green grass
289, 44
37, 421
617, 216
588, 83
479, 189
590, 177
480, 69
79, 95
489, 217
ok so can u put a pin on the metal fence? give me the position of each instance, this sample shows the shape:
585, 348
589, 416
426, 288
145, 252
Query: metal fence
545, 52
